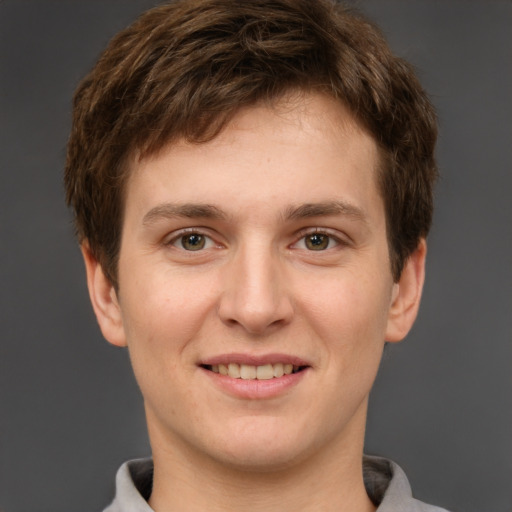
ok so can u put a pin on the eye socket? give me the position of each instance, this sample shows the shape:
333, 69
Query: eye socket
317, 241
193, 242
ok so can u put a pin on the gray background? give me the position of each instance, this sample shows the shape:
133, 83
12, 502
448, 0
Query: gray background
70, 411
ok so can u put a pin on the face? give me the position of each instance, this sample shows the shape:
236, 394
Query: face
255, 291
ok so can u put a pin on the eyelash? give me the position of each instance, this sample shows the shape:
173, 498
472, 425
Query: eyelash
302, 237
304, 234
178, 237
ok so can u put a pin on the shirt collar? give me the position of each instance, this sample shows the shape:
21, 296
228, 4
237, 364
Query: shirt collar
385, 482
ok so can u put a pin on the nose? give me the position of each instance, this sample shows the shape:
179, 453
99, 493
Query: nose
255, 293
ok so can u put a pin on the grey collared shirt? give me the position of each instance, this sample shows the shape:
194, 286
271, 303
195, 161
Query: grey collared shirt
385, 482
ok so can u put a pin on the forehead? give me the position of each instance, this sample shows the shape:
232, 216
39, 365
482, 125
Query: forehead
303, 144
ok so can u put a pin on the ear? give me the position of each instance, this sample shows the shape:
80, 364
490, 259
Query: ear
406, 295
104, 300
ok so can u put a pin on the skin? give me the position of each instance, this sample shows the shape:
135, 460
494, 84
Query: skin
258, 287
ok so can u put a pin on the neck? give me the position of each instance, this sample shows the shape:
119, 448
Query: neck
330, 480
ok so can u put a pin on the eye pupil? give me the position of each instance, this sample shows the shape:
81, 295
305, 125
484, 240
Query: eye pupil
193, 242
317, 242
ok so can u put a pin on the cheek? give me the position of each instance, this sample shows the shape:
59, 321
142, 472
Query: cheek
163, 307
350, 311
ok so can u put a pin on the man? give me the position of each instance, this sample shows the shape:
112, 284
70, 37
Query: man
252, 185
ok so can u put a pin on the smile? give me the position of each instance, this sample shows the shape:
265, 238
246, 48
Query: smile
252, 372
255, 377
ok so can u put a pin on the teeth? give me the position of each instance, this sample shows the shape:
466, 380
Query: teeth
234, 370
247, 372
265, 372
250, 372
278, 370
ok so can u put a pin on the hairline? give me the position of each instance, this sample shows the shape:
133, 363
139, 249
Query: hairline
138, 154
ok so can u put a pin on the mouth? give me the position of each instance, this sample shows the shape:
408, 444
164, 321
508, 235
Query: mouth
255, 377
254, 372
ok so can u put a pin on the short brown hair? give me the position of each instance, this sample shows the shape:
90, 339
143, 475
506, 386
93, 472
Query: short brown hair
183, 69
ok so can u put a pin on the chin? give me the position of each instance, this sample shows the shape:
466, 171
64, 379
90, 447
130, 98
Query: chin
258, 448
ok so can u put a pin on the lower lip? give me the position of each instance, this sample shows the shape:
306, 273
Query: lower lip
256, 389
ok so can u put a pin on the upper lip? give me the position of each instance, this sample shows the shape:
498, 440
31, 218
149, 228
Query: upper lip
254, 360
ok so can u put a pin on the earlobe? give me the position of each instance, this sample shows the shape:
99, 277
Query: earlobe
104, 300
406, 295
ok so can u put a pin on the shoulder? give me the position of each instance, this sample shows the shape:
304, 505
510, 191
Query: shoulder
134, 481
389, 488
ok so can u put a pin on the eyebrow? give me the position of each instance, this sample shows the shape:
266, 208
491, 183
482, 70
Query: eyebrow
323, 209
208, 211
187, 210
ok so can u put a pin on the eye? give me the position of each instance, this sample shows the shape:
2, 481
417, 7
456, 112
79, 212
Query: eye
193, 242
317, 241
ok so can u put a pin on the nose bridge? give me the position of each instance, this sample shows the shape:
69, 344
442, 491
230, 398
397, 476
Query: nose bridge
255, 293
